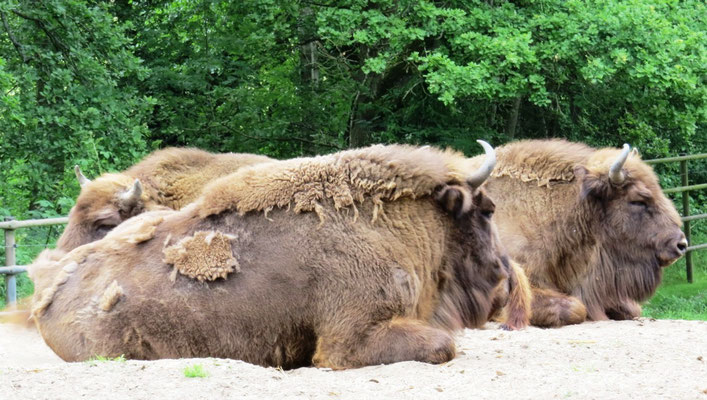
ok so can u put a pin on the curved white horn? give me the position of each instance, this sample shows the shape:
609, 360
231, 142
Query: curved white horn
478, 177
131, 197
79, 175
616, 176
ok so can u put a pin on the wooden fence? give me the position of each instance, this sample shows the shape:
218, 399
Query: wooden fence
10, 269
9, 226
686, 217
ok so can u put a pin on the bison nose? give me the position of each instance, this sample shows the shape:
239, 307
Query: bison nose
672, 249
682, 245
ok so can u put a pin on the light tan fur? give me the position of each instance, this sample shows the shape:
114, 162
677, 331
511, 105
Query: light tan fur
176, 176
378, 173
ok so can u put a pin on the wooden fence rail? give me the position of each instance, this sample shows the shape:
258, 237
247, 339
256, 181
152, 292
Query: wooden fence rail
11, 270
685, 189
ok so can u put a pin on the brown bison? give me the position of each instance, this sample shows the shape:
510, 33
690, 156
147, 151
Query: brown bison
362, 257
591, 228
171, 178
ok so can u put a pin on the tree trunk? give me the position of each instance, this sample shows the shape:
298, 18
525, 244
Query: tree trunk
512, 121
308, 50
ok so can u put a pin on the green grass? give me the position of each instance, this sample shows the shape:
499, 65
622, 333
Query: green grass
95, 360
195, 371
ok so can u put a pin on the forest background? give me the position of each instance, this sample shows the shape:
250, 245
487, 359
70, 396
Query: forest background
102, 83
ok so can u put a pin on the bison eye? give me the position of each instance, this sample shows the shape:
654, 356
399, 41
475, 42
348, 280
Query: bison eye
638, 203
104, 229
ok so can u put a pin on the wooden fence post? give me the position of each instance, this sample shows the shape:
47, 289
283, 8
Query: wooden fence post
686, 213
10, 279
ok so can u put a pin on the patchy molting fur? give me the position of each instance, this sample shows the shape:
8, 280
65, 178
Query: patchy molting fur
576, 233
171, 178
203, 256
339, 294
377, 173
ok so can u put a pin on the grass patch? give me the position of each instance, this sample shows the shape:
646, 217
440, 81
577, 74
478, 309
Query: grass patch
679, 299
195, 371
95, 360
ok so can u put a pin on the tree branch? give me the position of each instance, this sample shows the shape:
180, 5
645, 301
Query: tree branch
56, 42
13, 39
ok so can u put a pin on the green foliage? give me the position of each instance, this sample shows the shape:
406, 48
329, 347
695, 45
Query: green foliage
195, 371
64, 100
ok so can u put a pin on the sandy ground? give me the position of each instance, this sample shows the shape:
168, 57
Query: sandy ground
642, 359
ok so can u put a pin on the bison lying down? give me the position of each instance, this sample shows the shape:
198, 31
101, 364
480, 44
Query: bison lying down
591, 227
171, 178
378, 256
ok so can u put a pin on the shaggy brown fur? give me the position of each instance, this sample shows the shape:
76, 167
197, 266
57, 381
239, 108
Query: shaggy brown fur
171, 178
586, 242
338, 294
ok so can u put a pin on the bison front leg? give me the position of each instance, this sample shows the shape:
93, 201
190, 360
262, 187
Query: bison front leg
555, 309
516, 312
400, 339
627, 309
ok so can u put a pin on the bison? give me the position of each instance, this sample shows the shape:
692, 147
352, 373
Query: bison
362, 257
172, 178
591, 227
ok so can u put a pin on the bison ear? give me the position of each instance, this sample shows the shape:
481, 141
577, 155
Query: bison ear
592, 186
454, 199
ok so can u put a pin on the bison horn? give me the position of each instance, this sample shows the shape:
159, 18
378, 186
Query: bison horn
478, 177
616, 176
79, 175
131, 197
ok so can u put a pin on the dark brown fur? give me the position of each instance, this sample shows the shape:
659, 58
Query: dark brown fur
171, 178
587, 245
342, 293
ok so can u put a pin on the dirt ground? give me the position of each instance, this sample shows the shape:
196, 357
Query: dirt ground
642, 359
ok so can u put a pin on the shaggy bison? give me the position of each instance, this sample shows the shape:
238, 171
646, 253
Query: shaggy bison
361, 257
591, 228
170, 178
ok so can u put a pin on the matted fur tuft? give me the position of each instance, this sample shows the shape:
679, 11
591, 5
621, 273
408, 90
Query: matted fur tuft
377, 173
204, 256
111, 296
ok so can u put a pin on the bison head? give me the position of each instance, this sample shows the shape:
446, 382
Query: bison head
481, 265
102, 205
638, 227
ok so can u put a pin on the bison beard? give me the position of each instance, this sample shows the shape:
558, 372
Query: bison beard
385, 279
